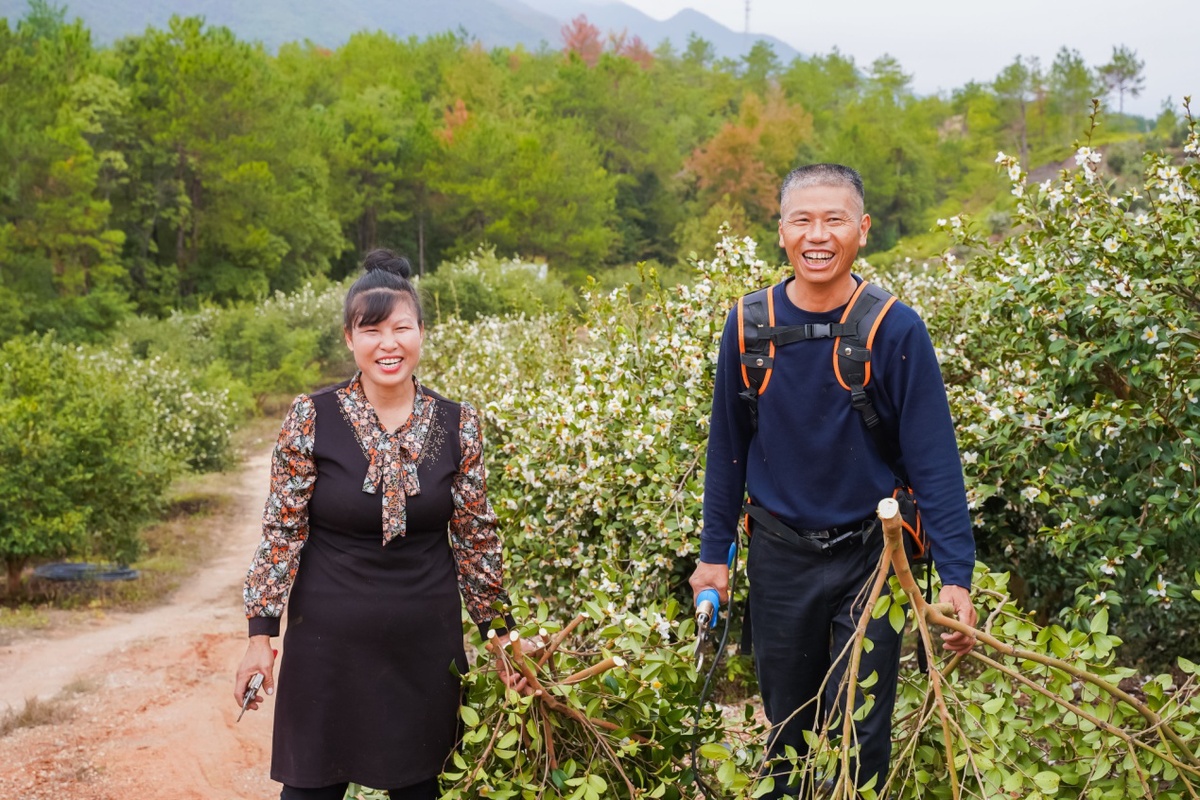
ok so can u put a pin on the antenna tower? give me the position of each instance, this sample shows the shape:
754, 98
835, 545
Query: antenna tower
747, 17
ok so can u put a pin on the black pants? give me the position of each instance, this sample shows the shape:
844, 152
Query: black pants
426, 790
804, 607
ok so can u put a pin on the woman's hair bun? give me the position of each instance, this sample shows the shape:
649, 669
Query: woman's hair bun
387, 261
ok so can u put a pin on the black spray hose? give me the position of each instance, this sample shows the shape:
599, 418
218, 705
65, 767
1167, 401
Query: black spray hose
704, 788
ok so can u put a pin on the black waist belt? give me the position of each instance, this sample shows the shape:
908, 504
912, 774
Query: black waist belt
822, 541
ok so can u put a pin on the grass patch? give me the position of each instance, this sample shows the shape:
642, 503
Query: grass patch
35, 713
21, 620
82, 685
23, 617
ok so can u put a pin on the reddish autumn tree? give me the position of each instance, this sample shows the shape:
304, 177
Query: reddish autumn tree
453, 117
634, 49
583, 39
746, 159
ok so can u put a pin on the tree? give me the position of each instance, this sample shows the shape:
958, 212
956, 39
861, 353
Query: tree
377, 157
528, 186
633, 121
1017, 86
582, 39
699, 52
634, 49
822, 84
227, 198
760, 67
59, 248
746, 160
888, 81
1072, 86
1123, 74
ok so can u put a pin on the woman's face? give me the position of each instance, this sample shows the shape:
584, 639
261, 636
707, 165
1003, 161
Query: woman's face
387, 352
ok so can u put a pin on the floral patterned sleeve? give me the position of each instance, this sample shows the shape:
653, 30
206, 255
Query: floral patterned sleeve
473, 537
285, 520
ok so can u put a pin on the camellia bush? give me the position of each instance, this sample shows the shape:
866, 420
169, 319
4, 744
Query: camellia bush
283, 343
89, 440
486, 285
1071, 349
1070, 353
81, 468
598, 427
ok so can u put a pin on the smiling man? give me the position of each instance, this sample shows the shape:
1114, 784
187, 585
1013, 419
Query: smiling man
815, 473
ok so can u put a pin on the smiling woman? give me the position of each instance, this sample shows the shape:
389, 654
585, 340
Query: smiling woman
379, 483
384, 328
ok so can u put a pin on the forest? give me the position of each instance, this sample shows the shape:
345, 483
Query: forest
184, 167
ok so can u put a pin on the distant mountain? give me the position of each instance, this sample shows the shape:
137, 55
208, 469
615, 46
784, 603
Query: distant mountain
615, 16
531, 23
326, 22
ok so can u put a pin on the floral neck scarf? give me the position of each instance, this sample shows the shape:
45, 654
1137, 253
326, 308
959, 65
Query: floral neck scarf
392, 458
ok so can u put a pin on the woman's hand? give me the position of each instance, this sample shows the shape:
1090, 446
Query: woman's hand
259, 659
507, 651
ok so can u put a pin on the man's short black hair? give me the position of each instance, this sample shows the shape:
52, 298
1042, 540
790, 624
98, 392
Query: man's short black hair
823, 175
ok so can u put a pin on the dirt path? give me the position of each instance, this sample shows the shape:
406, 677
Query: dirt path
148, 695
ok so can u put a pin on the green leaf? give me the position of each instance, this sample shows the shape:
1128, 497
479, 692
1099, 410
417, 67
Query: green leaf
896, 617
765, 786
1047, 781
469, 716
714, 752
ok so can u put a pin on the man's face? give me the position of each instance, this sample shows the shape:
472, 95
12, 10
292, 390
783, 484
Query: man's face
821, 229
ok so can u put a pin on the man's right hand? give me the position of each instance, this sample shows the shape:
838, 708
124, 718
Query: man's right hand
710, 576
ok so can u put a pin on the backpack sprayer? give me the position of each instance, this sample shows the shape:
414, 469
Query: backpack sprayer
708, 610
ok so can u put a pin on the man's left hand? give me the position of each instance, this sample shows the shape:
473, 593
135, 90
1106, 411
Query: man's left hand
964, 610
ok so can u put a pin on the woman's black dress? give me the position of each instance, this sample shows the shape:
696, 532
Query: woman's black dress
368, 689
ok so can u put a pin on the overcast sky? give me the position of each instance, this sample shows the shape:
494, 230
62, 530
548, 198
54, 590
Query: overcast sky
945, 43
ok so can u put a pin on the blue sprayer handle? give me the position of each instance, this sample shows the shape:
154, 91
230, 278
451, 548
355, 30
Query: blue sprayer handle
710, 596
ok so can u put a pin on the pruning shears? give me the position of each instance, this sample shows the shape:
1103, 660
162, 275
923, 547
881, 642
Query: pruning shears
251, 690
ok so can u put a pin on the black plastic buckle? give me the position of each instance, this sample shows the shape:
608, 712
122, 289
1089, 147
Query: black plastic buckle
819, 330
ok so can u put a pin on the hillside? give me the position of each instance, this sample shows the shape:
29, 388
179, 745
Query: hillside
492, 22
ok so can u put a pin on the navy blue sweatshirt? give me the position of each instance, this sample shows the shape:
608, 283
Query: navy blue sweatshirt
812, 461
